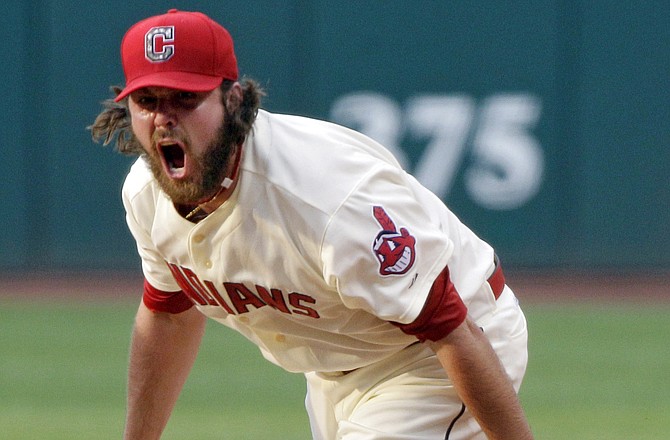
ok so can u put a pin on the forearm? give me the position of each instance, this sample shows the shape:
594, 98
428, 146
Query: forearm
163, 350
482, 383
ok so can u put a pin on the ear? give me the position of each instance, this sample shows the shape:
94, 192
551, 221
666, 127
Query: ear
234, 96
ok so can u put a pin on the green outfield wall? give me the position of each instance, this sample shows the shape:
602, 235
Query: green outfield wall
545, 125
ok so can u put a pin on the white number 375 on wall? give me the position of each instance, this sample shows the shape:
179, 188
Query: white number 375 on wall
504, 163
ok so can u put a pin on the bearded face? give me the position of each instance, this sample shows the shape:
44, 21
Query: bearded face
187, 138
207, 168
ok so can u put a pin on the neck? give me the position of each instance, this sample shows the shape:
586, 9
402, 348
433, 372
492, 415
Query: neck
224, 192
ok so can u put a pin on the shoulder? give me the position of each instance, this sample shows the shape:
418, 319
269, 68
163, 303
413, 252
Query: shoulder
315, 161
138, 177
320, 137
139, 187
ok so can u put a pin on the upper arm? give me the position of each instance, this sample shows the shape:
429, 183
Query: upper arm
162, 301
140, 202
383, 249
443, 312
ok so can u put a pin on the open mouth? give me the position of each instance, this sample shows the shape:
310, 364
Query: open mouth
174, 159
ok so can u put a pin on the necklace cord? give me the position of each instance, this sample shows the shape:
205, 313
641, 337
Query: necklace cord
227, 183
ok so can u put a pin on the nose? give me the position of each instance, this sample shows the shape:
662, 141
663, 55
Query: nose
165, 115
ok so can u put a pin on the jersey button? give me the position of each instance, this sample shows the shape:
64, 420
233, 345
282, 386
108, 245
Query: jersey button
244, 320
199, 238
208, 264
280, 337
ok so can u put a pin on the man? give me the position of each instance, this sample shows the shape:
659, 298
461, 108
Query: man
310, 240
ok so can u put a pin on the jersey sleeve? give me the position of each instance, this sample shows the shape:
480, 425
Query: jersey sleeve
443, 311
386, 248
169, 302
139, 202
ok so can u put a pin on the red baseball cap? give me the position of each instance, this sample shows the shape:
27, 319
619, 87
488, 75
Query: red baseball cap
179, 50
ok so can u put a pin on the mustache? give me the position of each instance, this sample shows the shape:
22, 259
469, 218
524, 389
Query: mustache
161, 134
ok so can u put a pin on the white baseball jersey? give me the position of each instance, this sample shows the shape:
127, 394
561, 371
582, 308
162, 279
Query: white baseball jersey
324, 243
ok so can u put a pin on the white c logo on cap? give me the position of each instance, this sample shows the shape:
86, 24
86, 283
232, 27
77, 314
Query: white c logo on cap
156, 44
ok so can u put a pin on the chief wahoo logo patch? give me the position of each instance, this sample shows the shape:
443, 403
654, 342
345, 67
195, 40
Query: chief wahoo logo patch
394, 249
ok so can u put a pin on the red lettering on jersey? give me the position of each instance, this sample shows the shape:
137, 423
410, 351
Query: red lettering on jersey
180, 277
219, 299
194, 281
205, 293
274, 298
297, 300
240, 296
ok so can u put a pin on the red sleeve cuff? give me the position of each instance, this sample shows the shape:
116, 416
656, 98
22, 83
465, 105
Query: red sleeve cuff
169, 302
443, 312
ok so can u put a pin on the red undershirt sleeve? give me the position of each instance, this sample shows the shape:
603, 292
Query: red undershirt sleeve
443, 312
169, 302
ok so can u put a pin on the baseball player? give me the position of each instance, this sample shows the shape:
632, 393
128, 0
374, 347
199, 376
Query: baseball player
310, 240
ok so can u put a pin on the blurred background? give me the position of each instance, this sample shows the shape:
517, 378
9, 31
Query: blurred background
544, 125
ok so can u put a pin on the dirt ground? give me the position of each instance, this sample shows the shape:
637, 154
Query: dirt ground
530, 287
591, 287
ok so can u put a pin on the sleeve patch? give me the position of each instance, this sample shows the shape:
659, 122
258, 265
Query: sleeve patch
443, 311
169, 302
395, 250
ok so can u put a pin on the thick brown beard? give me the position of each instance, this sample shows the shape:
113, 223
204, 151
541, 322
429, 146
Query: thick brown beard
210, 169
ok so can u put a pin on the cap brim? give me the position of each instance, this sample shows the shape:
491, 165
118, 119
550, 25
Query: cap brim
190, 82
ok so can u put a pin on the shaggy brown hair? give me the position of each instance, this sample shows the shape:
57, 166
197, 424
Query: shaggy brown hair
113, 123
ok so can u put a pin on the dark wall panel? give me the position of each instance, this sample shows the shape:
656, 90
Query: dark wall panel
544, 125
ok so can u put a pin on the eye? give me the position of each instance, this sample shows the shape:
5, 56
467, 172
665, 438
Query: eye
145, 101
188, 100
187, 95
